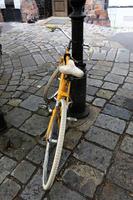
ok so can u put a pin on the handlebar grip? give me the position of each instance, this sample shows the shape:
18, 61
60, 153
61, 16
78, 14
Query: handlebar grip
52, 27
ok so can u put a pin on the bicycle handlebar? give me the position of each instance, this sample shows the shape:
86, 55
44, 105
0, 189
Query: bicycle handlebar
53, 28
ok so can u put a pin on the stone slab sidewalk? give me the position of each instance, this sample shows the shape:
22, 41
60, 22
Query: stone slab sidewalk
97, 160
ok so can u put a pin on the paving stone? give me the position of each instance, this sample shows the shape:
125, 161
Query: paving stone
125, 93
36, 155
23, 87
97, 72
105, 94
61, 192
105, 63
120, 172
39, 59
6, 95
131, 57
23, 171
34, 190
89, 98
111, 123
99, 55
91, 90
93, 155
83, 179
6, 166
36, 125
103, 68
72, 138
11, 88
121, 66
128, 86
17, 116
114, 78
47, 57
27, 81
6, 108
25, 95
127, 145
113, 192
123, 102
119, 71
32, 103
111, 55
27, 61
122, 56
17, 94
110, 86
96, 77
14, 102
102, 137
130, 128
94, 82
32, 89
3, 101
117, 111
99, 102
9, 189
129, 80
2, 87
30, 69
14, 82
20, 144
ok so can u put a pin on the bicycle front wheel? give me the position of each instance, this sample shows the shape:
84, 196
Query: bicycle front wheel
54, 145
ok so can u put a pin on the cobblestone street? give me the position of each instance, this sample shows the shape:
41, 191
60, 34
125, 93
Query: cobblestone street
97, 160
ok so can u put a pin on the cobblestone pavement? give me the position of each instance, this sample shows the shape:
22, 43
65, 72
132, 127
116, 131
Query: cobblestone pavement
97, 162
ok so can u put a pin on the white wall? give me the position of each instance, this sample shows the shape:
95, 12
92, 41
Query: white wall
2, 4
120, 2
121, 17
17, 4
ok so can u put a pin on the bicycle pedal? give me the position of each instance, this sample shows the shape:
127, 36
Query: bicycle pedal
43, 106
72, 119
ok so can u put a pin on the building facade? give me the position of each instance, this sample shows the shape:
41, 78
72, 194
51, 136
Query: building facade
20, 10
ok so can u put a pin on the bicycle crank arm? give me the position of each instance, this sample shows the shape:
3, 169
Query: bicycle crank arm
45, 106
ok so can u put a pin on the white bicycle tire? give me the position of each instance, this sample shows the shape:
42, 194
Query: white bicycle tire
47, 185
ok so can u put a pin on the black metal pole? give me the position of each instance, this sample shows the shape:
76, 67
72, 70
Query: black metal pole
78, 89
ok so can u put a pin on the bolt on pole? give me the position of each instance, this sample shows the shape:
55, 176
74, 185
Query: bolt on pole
78, 85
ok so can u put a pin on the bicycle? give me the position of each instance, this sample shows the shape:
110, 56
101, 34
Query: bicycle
56, 128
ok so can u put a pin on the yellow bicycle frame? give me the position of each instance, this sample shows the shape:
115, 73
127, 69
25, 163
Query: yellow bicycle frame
63, 92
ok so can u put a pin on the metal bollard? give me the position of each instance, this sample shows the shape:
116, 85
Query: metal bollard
78, 89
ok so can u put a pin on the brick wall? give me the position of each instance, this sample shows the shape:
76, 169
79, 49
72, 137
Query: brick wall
96, 11
29, 9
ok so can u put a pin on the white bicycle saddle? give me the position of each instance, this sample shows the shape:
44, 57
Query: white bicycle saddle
71, 69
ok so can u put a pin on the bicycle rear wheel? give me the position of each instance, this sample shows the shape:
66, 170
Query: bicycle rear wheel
50, 89
54, 145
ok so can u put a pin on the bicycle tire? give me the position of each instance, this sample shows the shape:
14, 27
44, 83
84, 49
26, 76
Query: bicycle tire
47, 86
47, 180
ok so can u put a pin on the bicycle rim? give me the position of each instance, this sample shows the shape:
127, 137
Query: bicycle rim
50, 89
53, 150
